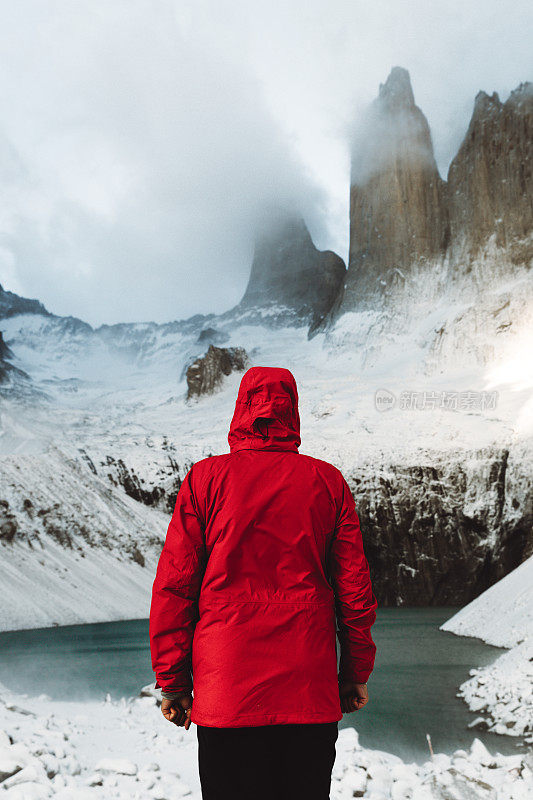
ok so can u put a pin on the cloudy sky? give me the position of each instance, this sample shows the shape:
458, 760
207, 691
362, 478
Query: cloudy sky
140, 139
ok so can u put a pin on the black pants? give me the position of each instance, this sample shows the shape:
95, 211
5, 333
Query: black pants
269, 762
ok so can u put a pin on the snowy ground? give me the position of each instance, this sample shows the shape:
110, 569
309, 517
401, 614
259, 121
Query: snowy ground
127, 750
120, 393
114, 389
502, 692
104, 406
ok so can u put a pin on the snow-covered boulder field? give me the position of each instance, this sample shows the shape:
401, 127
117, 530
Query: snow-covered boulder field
502, 692
126, 749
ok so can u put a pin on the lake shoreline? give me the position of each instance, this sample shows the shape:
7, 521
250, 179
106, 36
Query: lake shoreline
413, 689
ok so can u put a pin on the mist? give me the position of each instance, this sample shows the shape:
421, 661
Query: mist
141, 141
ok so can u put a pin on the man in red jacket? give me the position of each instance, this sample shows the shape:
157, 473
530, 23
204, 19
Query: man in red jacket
263, 553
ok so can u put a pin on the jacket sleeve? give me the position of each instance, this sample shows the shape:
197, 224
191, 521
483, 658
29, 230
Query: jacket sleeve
355, 603
174, 607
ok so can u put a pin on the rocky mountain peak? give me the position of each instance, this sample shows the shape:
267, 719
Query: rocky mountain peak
289, 271
522, 94
393, 131
397, 91
518, 101
398, 211
403, 215
485, 103
490, 179
11, 304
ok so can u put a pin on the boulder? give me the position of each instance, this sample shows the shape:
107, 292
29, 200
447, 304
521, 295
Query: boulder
206, 374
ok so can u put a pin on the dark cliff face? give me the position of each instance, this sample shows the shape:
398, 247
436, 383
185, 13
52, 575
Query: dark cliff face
5, 355
289, 271
11, 304
443, 532
398, 210
8, 372
5, 350
491, 177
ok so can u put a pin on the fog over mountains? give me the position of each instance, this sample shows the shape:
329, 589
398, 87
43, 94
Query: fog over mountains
407, 225
434, 307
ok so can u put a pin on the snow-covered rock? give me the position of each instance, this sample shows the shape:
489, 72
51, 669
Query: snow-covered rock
503, 615
121, 766
503, 691
125, 750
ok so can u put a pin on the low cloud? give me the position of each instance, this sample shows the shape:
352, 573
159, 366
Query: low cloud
139, 141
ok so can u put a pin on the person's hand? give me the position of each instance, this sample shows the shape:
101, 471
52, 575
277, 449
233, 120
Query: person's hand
178, 710
353, 696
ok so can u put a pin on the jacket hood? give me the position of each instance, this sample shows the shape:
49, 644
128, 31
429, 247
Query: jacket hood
266, 412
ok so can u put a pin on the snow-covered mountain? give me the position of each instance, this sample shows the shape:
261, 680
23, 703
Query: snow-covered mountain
421, 394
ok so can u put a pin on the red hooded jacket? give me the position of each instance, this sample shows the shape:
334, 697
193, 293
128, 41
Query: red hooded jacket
263, 551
